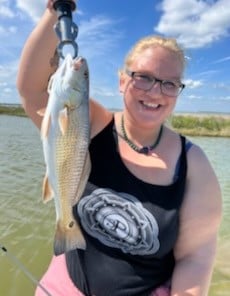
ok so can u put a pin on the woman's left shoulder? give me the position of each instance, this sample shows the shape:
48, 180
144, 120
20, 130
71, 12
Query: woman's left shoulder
198, 162
200, 171
201, 210
203, 192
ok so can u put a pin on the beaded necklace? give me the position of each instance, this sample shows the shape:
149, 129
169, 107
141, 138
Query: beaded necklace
145, 149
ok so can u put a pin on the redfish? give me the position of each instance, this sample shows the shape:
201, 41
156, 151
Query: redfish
65, 134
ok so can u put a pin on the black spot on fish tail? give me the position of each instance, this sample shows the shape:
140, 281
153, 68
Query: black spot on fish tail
68, 237
71, 224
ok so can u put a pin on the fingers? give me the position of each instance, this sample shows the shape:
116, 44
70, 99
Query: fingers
50, 3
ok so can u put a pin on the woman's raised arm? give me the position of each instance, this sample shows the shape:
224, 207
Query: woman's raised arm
37, 63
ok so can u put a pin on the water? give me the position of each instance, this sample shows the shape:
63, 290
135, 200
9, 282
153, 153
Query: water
27, 226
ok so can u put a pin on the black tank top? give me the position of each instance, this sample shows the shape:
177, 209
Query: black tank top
130, 226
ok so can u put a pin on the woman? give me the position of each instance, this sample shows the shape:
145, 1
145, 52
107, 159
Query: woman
155, 232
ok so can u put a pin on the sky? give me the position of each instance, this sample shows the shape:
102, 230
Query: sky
107, 31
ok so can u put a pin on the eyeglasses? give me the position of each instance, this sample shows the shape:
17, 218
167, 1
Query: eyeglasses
145, 82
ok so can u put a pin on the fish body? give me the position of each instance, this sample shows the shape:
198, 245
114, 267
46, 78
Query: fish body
65, 136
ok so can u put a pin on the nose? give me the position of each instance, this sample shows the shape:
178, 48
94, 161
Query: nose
155, 88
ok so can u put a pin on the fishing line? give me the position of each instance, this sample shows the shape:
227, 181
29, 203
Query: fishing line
23, 268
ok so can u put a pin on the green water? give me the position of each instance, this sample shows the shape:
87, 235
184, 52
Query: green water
27, 226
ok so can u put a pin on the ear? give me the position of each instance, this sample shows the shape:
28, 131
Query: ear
122, 82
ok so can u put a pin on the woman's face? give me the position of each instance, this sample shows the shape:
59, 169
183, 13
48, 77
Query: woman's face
151, 107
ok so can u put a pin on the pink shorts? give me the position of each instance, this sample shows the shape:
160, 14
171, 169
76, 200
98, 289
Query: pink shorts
57, 282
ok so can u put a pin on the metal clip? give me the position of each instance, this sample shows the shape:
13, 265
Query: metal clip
65, 28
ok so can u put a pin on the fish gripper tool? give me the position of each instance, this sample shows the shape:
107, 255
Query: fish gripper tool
65, 28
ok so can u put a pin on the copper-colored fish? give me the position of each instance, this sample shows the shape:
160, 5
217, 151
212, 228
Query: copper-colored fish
65, 136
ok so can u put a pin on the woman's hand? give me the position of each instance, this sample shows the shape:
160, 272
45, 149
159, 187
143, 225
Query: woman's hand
50, 3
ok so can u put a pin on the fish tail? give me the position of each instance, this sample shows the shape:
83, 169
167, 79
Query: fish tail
68, 237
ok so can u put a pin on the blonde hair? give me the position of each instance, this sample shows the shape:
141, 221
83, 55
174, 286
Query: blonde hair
154, 41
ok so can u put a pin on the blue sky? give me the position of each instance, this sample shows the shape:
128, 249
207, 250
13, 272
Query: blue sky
107, 30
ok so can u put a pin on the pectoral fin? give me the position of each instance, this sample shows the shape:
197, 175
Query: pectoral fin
45, 126
63, 120
47, 191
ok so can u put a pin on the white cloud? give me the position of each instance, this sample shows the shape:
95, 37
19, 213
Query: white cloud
221, 85
222, 60
104, 91
7, 90
97, 36
194, 97
195, 23
208, 73
8, 30
33, 8
193, 83
8, 82
225, 98
7, 71
5, 11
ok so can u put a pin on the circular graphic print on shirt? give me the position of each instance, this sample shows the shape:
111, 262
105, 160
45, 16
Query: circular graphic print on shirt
119, 220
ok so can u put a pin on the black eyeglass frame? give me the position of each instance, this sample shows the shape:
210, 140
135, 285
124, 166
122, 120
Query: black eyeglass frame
131, 74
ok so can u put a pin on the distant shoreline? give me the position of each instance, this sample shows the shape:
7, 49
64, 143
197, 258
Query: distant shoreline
192, 124
12, 109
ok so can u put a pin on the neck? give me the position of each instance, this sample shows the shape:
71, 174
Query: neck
144, 149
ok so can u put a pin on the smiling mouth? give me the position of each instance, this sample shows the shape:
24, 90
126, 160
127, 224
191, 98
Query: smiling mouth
150, 105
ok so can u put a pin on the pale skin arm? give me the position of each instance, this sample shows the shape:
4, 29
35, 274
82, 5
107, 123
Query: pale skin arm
200, 219
35, 66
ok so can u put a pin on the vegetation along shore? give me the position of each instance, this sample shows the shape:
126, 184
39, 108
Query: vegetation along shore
191, 124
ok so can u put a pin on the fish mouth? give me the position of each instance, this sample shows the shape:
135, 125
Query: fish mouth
77, 63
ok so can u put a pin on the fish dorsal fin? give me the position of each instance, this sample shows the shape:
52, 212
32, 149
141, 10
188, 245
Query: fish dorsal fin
45, 126
63, 120
47, 191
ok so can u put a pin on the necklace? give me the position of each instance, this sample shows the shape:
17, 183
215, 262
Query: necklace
145, 149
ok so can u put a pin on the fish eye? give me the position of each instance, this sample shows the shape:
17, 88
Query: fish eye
86, 74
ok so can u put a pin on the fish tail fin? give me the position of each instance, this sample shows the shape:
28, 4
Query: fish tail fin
68, 237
